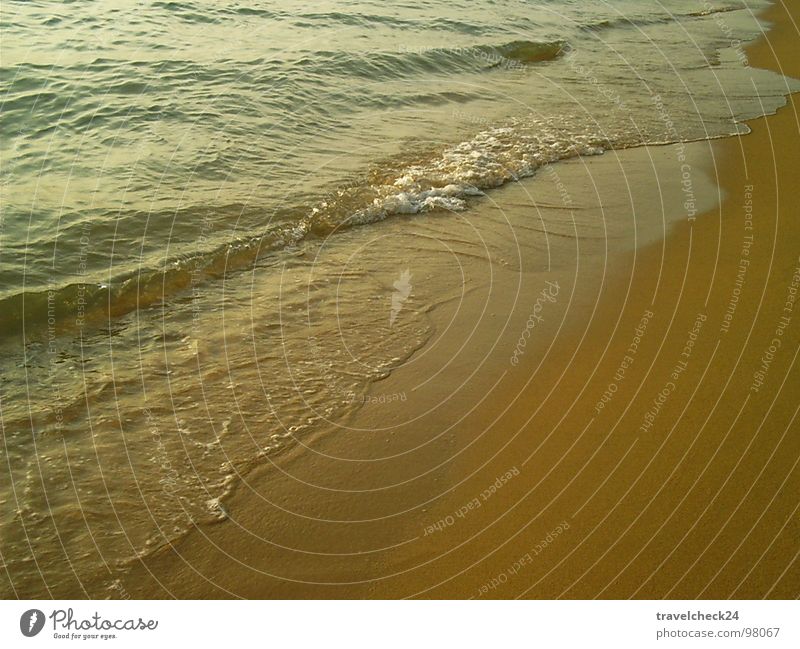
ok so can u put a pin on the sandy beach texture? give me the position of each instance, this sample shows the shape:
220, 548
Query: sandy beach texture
610, 411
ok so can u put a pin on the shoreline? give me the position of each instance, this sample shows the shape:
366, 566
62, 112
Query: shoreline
638, 523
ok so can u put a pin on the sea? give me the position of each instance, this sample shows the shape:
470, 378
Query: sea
195, 269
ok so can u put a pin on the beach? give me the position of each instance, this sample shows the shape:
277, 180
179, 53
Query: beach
363, 315
616, 421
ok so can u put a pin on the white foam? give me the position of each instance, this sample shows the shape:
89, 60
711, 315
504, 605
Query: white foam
492, 158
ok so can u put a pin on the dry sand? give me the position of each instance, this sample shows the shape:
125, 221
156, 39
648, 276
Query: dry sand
504, 478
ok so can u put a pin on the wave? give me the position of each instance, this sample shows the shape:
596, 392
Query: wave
410, 61
532, 52
198, 13
442, 180
623, 22
62, 97
91, 303
333, 18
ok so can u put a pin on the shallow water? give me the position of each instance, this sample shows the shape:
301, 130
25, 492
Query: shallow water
181, 295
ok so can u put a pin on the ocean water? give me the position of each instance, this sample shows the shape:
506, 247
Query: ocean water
179, 186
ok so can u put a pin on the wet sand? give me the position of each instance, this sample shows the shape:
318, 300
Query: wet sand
609, 408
